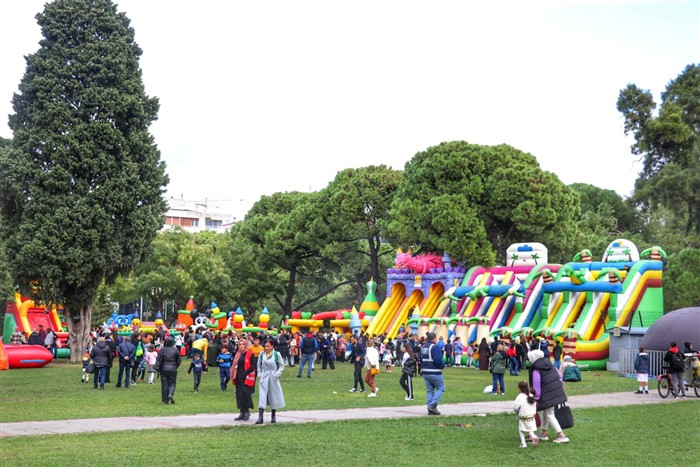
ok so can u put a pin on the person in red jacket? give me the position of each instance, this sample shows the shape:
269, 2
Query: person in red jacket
243, 377
512, 354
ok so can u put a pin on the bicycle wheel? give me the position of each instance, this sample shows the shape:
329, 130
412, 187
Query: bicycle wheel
696, 386
664, 387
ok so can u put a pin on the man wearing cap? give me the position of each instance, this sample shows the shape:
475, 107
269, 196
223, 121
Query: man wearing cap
308, 352
432, 364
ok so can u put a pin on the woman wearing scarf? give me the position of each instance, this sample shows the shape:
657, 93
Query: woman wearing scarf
243, 376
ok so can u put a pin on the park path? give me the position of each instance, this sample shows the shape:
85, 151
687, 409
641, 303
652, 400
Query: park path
497, 405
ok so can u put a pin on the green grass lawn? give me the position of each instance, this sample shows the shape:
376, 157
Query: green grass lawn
627, 436
630, 435
55, 392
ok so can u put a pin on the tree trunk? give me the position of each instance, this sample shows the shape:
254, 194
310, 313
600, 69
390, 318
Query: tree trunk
291, 286
79, 325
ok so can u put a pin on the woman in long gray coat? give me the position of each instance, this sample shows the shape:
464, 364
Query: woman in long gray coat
270, 368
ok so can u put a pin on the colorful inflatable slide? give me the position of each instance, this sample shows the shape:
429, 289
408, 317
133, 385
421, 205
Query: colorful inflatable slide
27, 316
578, 302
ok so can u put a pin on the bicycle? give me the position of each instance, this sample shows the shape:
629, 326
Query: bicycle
664, 383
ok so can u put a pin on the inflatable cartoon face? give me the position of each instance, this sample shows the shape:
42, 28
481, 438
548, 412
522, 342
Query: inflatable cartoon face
159, 322
136, 323
124, 320
200, 322
526, 254
621, 250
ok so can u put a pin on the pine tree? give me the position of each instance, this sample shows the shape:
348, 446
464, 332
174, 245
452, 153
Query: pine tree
81, 184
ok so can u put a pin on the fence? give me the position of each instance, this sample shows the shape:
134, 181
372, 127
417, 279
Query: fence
626, 361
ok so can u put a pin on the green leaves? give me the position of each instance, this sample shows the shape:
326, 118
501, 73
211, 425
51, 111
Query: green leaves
669, 144
473, 201
82, 180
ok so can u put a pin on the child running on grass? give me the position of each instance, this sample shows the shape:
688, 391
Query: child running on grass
224, 359
198, 366
526, 409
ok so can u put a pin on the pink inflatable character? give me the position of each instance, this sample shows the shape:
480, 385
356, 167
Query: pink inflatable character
420, 264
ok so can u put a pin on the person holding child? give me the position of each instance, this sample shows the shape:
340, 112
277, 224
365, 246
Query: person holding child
526, 408
270, 367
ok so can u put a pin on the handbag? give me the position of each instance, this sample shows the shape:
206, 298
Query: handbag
374, 371
562, 413
90, 367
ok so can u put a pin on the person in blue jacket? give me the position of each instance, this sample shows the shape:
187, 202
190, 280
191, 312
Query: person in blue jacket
127, 352
432, 364
224, 359
641, 367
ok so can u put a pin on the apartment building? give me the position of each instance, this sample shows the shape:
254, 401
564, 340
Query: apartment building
196, 216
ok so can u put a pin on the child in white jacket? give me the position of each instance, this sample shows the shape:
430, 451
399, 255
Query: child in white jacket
526, 409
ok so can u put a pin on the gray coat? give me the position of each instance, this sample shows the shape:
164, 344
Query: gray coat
269, 374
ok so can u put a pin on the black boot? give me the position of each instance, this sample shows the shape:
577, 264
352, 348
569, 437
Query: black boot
273, 419
246, 416
240, 416
259, 421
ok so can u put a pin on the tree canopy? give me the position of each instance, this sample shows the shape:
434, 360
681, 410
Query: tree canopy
81, 184
669, 145
474, 201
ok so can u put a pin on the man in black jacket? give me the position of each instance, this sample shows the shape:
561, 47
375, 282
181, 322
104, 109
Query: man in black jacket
167, 364
101, 356
126, 351
676, 367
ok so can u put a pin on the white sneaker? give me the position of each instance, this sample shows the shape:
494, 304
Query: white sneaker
543, 437
372, 394
561, 439
376, 390
408, 398
353, 390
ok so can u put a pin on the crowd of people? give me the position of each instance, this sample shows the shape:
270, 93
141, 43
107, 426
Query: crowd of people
39, 336
246, 360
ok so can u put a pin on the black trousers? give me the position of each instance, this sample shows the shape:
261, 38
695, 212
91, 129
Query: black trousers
358, 376
168, 380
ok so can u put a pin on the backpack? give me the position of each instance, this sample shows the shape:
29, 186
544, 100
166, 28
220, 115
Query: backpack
676, 361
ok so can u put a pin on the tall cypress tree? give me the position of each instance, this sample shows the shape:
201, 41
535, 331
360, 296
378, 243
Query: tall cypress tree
81, 184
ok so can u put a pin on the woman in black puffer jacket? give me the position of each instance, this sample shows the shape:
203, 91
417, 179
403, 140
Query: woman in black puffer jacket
167, 364
548, 389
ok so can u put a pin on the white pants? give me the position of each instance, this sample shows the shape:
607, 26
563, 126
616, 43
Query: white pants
548, 419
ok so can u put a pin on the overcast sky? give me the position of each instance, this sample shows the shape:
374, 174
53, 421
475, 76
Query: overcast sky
266, 96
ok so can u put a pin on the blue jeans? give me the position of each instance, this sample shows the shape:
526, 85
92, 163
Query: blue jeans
435, 387
498, 379
100, 374
557, 364
306, 358
514, 366
124, 364
224, 375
